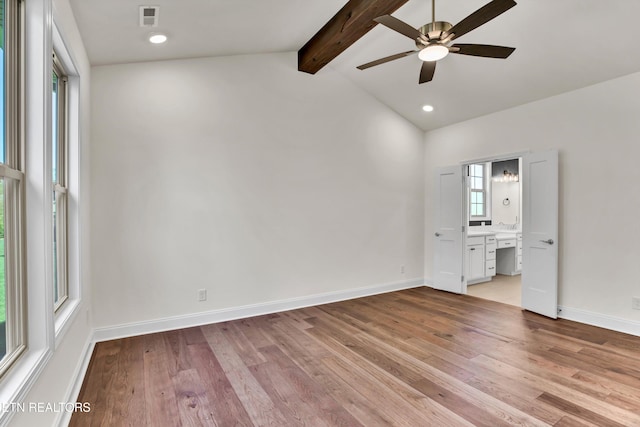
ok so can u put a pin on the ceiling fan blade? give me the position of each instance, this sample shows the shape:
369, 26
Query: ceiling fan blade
400, 26
386, 59
481, 16
484, 50
427, 71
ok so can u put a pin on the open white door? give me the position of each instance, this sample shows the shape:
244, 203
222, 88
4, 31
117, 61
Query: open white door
448, 214
540, 233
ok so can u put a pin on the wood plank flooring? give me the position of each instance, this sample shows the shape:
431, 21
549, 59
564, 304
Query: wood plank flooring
418, 357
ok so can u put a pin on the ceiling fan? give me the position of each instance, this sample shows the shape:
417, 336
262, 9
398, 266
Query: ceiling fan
433, 39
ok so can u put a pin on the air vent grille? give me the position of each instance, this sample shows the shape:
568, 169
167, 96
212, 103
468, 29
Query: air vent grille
149, 16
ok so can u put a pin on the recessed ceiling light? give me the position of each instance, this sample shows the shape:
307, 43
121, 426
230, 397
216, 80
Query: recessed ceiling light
427, 108
157, 38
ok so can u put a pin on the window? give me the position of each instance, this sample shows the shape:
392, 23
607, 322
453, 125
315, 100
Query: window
478, 191
59, 183
12, 291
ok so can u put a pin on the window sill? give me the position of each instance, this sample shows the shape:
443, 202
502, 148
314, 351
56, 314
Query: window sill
19, 380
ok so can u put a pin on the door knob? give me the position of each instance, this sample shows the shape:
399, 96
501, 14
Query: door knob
548, 242
438, 234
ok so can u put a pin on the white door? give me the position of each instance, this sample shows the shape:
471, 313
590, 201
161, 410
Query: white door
540, 233
448, 237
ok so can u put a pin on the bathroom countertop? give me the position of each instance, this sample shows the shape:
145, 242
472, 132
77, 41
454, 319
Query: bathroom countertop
480, 233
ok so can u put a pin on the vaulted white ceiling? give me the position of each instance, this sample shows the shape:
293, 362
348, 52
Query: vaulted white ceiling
560, 46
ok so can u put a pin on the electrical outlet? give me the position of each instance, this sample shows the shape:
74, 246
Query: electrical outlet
402, 269
202, 295
635, 303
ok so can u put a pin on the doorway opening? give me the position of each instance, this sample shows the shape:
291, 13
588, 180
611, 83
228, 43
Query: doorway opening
455, 264
493, 215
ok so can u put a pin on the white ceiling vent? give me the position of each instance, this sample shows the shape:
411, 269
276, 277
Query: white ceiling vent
149, 16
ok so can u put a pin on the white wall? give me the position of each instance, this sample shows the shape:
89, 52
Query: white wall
245, 177
596, 131
501, 213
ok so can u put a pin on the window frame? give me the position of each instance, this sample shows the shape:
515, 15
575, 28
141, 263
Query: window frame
43, 330
60, 188
11, 172
485, 191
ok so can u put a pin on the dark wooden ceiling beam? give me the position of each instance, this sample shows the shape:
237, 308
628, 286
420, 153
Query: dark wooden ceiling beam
346, 27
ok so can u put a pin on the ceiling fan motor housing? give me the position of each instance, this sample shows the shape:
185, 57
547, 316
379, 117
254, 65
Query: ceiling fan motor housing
434, 31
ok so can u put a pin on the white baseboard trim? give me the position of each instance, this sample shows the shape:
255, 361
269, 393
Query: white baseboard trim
80, 372
222, 315
601, 320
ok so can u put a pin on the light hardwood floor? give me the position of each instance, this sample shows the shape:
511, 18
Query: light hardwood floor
412, 358
504, 289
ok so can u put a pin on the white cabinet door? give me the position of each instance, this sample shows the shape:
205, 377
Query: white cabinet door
475, 262
447, 239
540, 233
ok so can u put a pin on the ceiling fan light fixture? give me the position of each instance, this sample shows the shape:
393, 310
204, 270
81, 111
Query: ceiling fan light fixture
433, 52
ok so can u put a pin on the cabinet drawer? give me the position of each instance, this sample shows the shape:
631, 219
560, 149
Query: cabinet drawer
490, 240
490, 268
490, 251
507, 243
519, 251
519, 237
519, 263
475, 240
